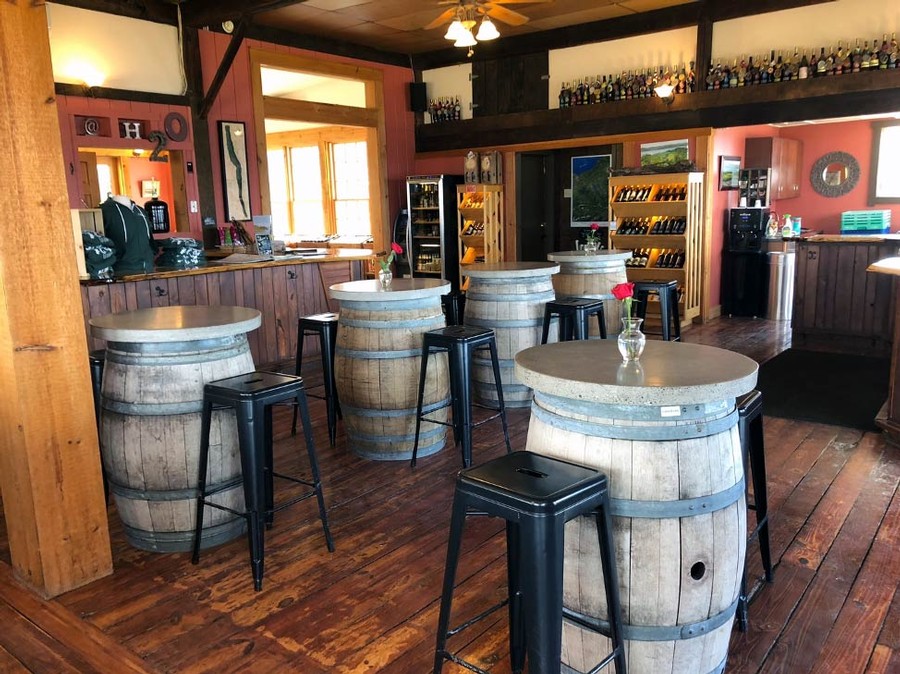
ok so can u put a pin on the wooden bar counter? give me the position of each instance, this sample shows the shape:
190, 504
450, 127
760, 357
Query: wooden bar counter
282, 290
664, 430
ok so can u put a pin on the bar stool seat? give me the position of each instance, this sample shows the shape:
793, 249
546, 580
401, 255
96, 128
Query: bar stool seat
460, 342
536, 495
325, 327
574, 315
252, 396
750, 427
667, 291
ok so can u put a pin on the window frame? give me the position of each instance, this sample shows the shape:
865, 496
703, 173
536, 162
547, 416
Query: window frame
877, 128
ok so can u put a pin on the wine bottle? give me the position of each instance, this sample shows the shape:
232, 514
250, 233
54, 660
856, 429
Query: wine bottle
873, 56
820, 64
803, 70
864, 57
884, 54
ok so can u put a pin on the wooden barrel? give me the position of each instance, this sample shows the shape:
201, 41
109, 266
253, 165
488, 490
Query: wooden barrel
592, 275
509, 298
377, 361
151, 400
679, 514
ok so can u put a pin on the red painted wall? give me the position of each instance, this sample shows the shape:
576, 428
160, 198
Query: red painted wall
824, 213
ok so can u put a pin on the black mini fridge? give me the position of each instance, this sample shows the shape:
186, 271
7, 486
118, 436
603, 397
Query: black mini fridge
745, 273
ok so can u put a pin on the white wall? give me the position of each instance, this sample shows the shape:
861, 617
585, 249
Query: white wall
810, 27
668, 48
451, 81
125, 53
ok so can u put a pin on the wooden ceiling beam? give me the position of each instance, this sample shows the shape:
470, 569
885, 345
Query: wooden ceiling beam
158, 11
212, 12
227, 59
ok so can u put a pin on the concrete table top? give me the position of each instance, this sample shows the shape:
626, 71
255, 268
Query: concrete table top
175, 324
399, 290
580, 257
668, 373
510, 269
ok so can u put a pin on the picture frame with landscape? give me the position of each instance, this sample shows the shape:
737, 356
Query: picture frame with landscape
729, 172
664, 153
590, 190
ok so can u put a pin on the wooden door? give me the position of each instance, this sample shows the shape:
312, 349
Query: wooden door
87, 179
513, 84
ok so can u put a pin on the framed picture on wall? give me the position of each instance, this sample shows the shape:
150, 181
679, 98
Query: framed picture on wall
590, 190
664, 153
729, 172
235, 178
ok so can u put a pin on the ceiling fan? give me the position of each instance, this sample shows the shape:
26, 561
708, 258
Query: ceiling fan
465, 14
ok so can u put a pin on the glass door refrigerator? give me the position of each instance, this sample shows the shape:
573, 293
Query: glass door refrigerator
432, 238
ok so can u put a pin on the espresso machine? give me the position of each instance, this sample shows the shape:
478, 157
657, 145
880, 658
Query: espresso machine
745, 272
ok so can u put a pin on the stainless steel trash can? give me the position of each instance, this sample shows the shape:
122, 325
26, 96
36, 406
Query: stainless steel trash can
781, 286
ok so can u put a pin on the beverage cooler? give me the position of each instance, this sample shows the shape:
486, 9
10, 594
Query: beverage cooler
432, 238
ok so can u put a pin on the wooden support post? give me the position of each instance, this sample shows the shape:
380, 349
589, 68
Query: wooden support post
50, 475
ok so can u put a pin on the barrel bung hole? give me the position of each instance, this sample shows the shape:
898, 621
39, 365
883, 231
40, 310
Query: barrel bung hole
698, 570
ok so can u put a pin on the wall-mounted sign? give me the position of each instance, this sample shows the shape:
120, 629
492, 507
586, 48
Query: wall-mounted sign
176, 127
131, 128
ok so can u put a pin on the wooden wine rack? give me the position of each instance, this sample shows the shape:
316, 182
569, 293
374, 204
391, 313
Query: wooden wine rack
480, 209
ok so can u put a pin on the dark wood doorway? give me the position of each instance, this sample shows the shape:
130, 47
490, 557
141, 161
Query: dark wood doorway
535, 232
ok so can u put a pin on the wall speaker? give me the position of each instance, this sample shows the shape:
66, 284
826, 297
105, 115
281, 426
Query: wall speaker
418, 100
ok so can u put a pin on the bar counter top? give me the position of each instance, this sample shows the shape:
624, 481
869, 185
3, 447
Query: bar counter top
219, 265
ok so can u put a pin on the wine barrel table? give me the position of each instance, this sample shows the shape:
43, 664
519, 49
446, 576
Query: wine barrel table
157, 363
376, 366
508, 298
664, 431
592, 275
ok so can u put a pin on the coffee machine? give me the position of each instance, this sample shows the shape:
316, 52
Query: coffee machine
745, 274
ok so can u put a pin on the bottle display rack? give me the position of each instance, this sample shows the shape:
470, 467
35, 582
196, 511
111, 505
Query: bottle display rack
480, 208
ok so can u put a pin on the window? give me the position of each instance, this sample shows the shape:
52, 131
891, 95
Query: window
884, 180
307, 205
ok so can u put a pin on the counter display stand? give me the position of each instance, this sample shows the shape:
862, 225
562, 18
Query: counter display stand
659, 217
480, 209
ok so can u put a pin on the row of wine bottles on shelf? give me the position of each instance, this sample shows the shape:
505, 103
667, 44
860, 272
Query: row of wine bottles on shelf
427, 196
430, 262
472, 228
631, 84
646, 193
429, 229
445, 109
472, 200
656, 258
643, 226
804, 63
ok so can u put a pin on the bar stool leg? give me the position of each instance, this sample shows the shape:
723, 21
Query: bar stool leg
495, 364
542, 576
314, 466
545, 331
298, 366
601, 322
516, 613
664, 314
331, 400
251, 435
205, 418
423, 367
462, 399
457, 521
611, 585
760, 497
676, 318
264, 412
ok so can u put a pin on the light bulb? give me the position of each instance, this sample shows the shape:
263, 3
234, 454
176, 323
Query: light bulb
454, 30
466, 39
487, 30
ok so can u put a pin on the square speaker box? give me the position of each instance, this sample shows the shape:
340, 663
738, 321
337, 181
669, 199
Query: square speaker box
418, 100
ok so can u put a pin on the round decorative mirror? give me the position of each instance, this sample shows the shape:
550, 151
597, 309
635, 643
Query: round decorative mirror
834, 174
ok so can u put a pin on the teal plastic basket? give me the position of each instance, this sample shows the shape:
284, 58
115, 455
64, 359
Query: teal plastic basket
866, 222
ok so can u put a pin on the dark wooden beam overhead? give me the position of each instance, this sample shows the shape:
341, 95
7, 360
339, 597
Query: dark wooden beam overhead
159, 11
202, 151
63, 89
227, 59
212, 12
671, 18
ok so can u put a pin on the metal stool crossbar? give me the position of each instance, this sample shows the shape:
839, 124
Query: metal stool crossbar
459, 342
536, 495
252, 396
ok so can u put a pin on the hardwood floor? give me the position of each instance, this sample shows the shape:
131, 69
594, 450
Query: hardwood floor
371, 606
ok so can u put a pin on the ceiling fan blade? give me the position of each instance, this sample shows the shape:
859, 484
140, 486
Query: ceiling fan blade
443, 18
507, 16
519, 2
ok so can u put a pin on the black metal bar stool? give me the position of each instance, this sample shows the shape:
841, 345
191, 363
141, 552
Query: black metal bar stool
536, 495
252, 396
667, 291
454, 306
574, 315
750, 426
325, 326
459, 342
97, 359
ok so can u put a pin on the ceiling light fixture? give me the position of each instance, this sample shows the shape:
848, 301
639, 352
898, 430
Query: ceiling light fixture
465, 39
665, 92
454, 30
487, 30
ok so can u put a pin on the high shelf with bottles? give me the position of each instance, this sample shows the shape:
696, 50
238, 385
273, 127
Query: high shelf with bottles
659, 217
480, 209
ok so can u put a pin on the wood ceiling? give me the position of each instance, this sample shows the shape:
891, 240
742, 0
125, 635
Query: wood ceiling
398, 25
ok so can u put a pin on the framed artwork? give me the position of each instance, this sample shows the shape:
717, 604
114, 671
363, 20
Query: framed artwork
235, 179
665, 153
590, 190
729, 172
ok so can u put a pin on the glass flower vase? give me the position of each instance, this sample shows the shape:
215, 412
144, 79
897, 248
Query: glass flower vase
385, 276
631, 340
591, 246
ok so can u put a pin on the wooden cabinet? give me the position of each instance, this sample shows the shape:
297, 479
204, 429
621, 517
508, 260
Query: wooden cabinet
480, 209
783, 156
668, 229
837, 305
